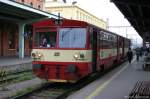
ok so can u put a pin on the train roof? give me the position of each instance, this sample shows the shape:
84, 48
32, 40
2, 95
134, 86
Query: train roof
61, 23
68, 22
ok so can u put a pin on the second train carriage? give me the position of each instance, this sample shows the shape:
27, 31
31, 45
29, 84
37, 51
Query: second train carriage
71, 50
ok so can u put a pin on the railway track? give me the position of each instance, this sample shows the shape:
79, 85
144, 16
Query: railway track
16, 77
59, 90
48, 91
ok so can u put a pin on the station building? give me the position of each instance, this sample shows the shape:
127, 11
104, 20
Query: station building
9, 31
73, 12
33, 3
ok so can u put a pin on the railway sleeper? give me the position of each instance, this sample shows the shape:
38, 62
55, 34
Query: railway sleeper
141, 90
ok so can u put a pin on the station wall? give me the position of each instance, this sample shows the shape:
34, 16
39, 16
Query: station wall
33, 3
9, 40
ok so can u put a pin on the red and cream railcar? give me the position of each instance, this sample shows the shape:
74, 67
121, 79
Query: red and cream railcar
71, 50
123, 46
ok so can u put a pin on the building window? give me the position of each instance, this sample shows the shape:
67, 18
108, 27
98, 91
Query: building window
77, 14
31, 4
80, 16
11, 40
22, 1
39, 7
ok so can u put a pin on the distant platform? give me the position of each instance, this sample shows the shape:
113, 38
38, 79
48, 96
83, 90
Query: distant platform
5, 61
14, 64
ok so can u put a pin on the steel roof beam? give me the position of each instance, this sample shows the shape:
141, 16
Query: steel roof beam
130, 10
139, 19
141, 14
133, 2
9, 19
140, 11
27, 8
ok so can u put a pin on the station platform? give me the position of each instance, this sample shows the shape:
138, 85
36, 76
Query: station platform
117, 84
14, 64
6, 61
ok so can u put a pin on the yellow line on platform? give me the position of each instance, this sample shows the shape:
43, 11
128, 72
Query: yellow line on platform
99, 89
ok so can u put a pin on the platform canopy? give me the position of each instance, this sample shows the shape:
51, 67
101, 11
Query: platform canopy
21, 15
137, 13
14, 11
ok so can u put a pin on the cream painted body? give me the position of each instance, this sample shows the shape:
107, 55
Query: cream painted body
64, 55
105, 53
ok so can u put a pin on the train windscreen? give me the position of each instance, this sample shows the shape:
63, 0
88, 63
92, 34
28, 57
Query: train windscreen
45, 39
72, 37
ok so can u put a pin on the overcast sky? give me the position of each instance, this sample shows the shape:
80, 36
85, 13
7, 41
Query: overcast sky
105, 9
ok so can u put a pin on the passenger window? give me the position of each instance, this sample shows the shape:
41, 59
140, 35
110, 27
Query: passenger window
45, 39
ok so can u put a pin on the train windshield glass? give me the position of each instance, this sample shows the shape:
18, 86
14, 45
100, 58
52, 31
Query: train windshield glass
72, 38
45, 39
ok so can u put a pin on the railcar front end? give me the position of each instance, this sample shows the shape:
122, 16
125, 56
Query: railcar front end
63, 56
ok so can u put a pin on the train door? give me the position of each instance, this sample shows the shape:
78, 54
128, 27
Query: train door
123, 48
118, 48
1, 50
94, 50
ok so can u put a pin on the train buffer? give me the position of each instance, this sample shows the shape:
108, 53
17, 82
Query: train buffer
141, 90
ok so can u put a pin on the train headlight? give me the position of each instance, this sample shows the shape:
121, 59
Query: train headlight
79, 56
36, 55
33, 55
39, 55
76, 56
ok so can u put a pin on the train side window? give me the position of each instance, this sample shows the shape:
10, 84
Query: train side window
91, 40
99, 39
120, 42
102, 36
